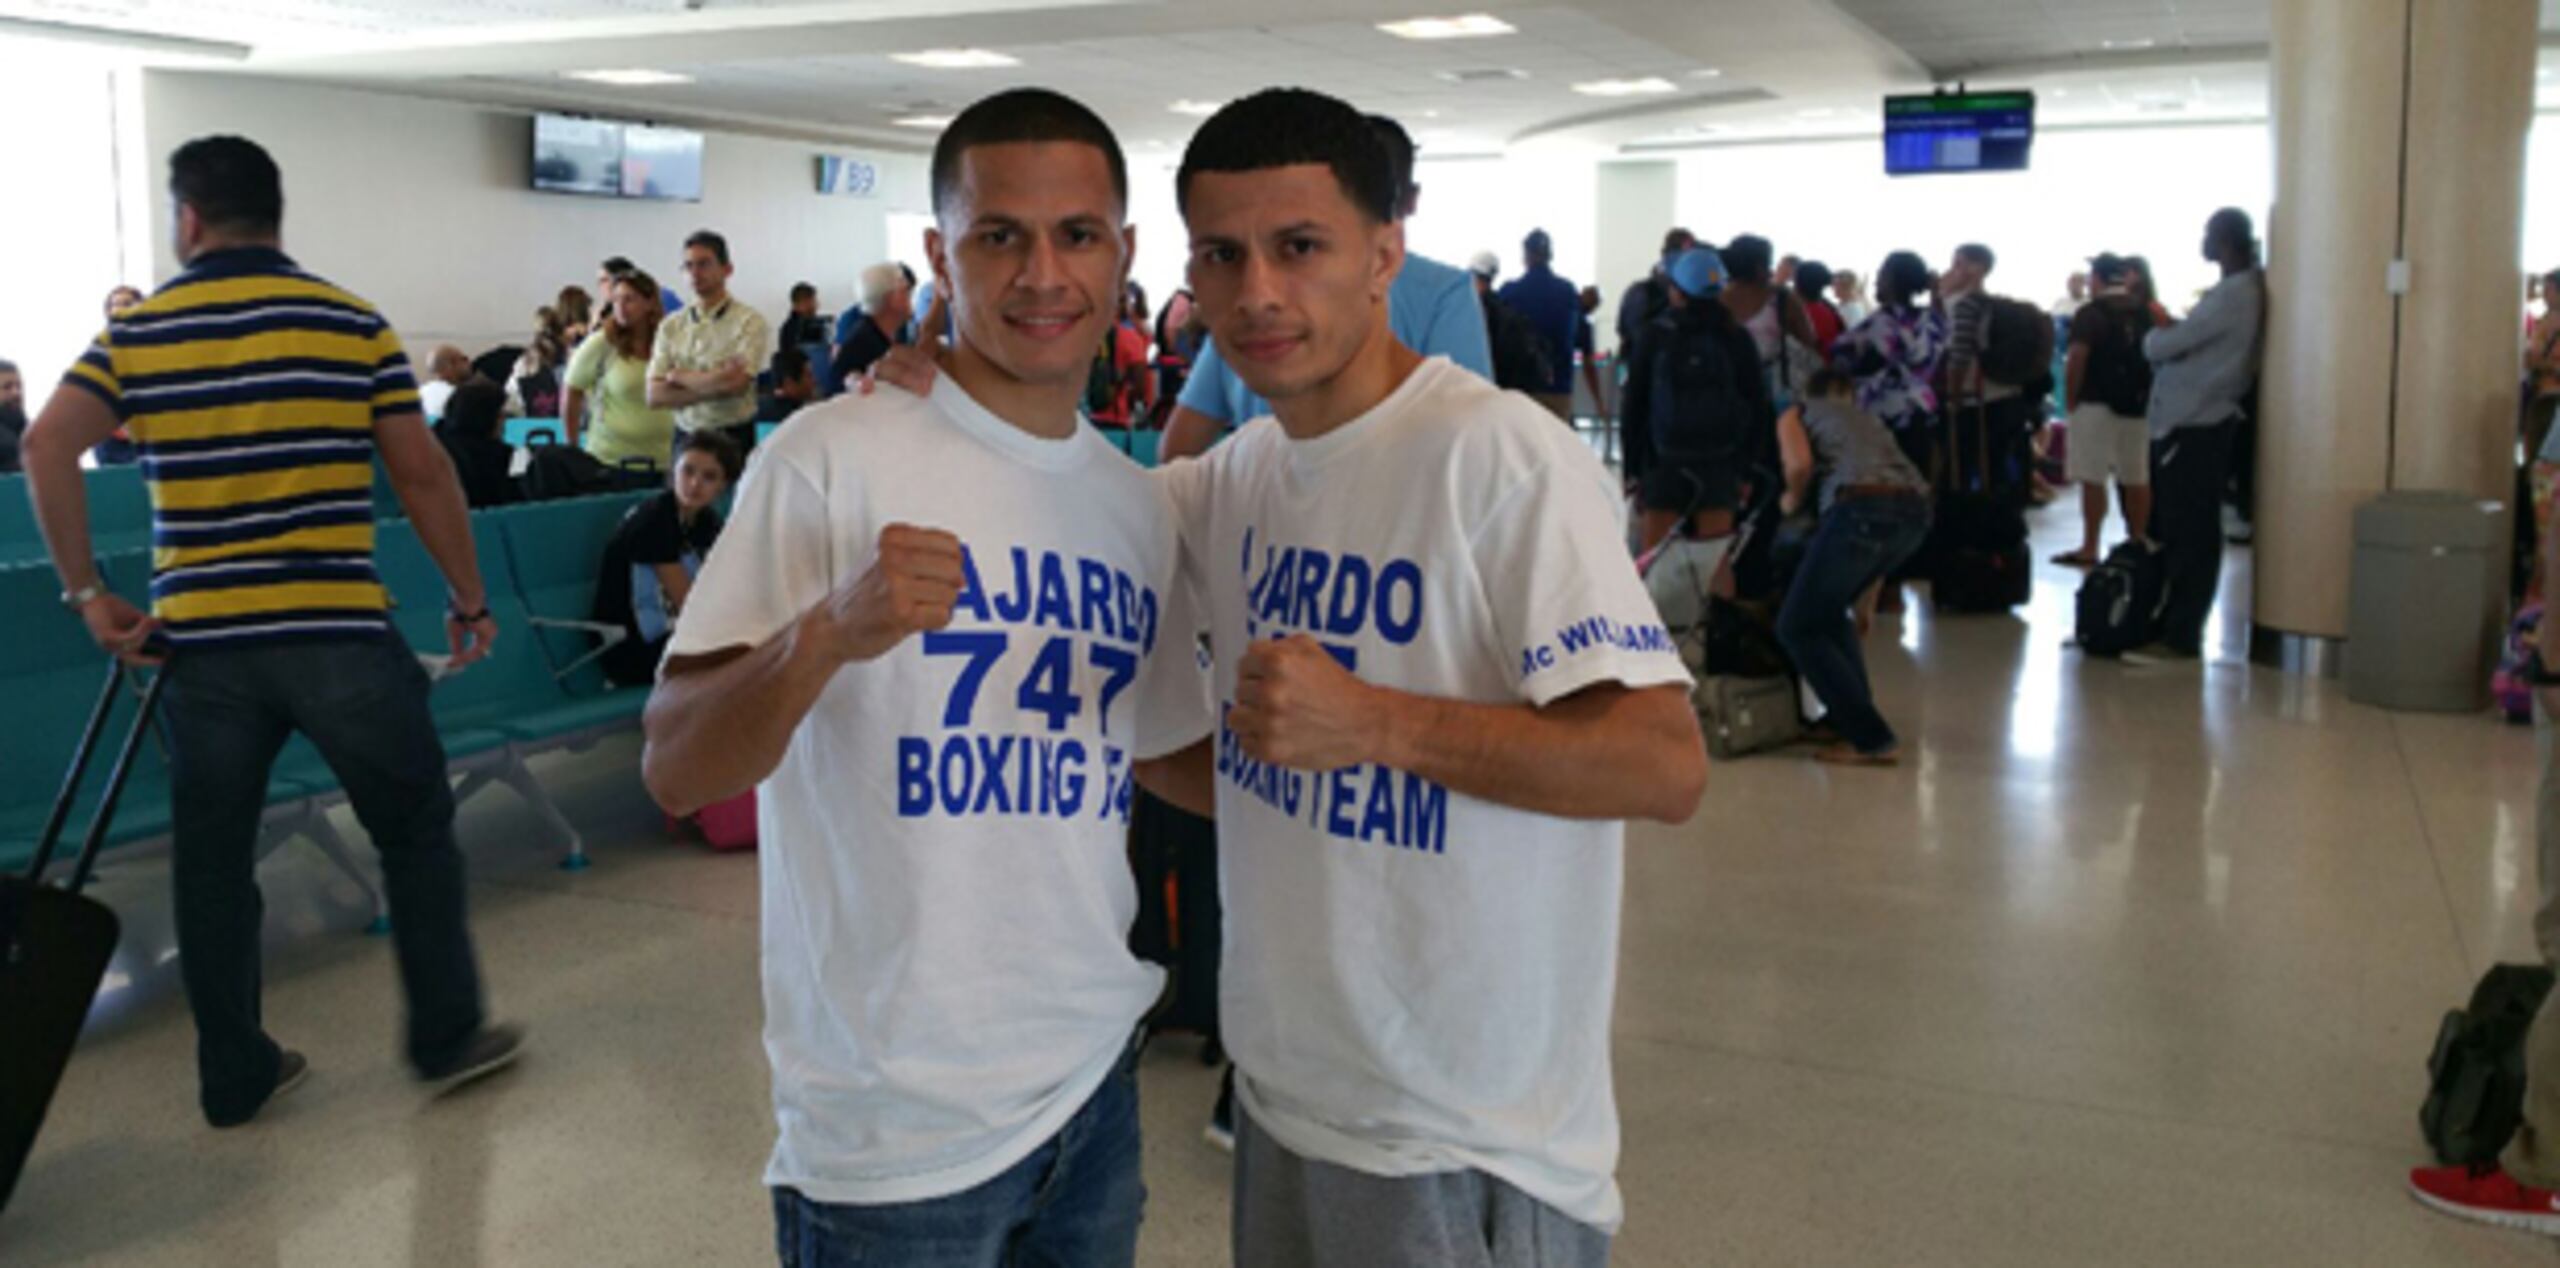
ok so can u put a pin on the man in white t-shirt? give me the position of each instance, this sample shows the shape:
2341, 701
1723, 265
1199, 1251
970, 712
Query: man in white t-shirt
941, 701
1442, 688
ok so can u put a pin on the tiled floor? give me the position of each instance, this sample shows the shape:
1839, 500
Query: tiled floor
2127, 966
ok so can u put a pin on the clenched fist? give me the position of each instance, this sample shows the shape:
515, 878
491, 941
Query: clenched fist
909, 587
1296, 706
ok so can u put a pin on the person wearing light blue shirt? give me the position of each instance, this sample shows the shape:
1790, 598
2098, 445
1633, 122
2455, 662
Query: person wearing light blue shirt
1431, 307
2201, 372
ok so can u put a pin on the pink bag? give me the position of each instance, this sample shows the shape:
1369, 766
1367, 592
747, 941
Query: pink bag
729, 825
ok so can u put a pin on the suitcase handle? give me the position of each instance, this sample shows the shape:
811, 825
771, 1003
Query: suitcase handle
103, 818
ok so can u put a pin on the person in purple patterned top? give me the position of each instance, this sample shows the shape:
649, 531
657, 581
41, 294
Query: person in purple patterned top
1893, 355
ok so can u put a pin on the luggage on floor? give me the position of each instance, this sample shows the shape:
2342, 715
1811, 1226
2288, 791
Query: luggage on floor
2120, 602
561, 471
1746, 715
729, 825
2514, 693
1977, 551
1174, 854
55, 943
2475, 1076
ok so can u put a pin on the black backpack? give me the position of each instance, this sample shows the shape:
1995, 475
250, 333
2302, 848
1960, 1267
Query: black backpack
2475, 1076
1520, 361
2119, 604
1700, 414
559, 471
2017, 344
2118, 375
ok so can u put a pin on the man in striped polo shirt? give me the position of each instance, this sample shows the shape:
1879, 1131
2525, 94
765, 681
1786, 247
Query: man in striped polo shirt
259, 396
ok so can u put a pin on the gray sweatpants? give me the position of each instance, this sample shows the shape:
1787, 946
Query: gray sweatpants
1293, 1212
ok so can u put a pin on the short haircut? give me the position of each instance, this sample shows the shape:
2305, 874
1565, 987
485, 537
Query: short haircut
1290, 127
1748, 258
616, 265
801, 291
717, 444
1902, 279
230, 182
1400, 154
1826, 382
2235, 224
879, 281
789, 364
1677, 241
8, 366
1813, 279
1023, 116
707, 240
1979, 254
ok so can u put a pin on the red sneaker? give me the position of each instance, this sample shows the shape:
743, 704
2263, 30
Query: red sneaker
2489, 1195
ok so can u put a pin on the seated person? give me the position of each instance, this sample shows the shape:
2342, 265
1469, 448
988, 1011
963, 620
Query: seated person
472, 434
795, 383
887, 301
650, 563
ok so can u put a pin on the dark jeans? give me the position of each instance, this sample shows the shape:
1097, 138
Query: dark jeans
1074, 1203
2187, 474
363, 703
1859, 541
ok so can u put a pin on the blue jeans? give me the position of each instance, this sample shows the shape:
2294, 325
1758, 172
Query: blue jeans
363, 703
1859, 541
1074, 1203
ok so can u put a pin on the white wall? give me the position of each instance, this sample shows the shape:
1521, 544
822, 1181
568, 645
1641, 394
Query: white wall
424, 206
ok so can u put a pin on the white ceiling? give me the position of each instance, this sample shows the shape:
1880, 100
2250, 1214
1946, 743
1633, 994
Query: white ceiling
1742, 69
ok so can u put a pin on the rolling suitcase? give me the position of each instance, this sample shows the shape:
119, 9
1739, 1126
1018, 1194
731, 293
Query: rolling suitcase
55, 943
1978, 552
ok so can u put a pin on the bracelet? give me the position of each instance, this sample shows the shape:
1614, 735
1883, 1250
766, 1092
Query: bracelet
468, 618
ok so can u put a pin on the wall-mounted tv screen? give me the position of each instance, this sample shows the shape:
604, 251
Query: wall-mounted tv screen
661, 163
1958, 132
577, 156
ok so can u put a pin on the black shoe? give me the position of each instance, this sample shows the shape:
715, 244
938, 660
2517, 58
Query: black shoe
1222, 1120
291, 1069
493, 1049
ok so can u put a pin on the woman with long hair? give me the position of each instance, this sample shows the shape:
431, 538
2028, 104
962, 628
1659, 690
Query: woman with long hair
605, 397
533, 387
577, 315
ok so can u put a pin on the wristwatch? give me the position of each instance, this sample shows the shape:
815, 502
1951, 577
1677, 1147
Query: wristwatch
80, 598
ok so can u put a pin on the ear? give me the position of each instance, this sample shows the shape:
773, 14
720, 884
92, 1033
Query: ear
934, 259
1389, 261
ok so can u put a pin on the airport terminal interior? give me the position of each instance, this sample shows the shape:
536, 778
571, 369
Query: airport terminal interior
2123, 959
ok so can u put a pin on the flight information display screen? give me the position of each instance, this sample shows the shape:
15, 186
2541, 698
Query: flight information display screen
1931, 133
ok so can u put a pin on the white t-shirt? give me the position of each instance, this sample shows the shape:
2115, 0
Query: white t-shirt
946, 886
1419, 981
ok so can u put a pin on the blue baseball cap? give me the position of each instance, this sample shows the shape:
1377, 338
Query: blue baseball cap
1698, 272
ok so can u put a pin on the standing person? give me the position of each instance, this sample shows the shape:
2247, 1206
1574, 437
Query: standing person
703, 364
2106, 389
1849, 292
656, 551
1586, 348
274, 622
2149, 291
1418, 815
2005, 409
1553, 307
1519, 359
1771, 312
1647, 297
1178, 340
1435, 311
2076, 288
1697, 407
886, 298
2202, 369
604, 400
1813, 290
802, 326
1893, 355
13, 413
577, 315
1874, 505
614, 266
950, 1000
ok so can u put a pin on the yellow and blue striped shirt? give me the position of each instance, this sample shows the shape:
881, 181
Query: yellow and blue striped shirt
252, 388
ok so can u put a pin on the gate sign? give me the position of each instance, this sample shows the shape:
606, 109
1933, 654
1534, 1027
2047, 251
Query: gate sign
843, 177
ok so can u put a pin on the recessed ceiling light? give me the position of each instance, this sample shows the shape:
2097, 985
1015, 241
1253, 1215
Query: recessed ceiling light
1469, 26
924, 121
1199, 109
2127, 46
1430, 114
634, 78
1816, 112
956, 59
1482, 75
1709, 73
1649, 86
